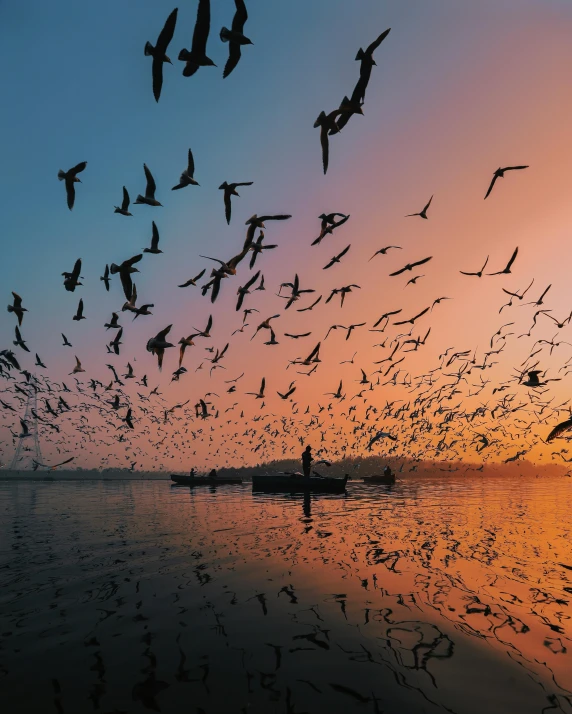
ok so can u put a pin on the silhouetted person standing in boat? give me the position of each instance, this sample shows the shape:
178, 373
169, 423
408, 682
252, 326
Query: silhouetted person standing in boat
193, 473
307, 459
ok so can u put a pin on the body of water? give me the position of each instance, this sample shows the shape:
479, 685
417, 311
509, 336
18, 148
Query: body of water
447, 594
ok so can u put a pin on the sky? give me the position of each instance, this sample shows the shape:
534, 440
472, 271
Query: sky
459, 89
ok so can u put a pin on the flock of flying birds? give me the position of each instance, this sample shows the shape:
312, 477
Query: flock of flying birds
96, 413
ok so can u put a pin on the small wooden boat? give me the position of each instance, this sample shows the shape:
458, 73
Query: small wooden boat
380, 479
298, 483
186, 480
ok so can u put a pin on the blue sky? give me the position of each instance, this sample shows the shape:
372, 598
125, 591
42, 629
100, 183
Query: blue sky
459, 89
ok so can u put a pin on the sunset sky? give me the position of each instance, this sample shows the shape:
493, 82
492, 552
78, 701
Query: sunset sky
459, 89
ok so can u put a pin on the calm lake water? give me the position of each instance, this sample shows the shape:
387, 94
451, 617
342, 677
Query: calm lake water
437, 595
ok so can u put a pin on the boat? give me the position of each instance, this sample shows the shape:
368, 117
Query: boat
381, 479
285, 482
186, 480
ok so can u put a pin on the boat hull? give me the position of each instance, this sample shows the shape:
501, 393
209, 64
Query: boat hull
298, 484
204, 480
381, 480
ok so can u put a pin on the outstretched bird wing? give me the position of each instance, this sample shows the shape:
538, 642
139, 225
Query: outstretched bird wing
151, 186
125, 203
376, 43
234, 50
491, 185
421, 262
512, 259
191, 165
166, 34
559, 429
165, 37
202, 28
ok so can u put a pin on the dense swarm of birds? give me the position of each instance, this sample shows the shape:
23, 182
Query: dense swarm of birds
97, 409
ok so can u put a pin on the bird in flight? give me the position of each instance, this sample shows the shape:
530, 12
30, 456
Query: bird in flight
149, 197
499, 173
19, 341
193, 281
154, 241
71, 280
413, 281
291, 389
383, 251
380, 435
412, 320
70, 178
560, 429
158, 344
506, 271
478, 274
296, 291
257, 249
124, 210
159, 52
337, 258
230, 190
327, 124
78, 367
197, 56
365, 57
16, 308
310, 307
256, 221
244, 290
329, 224
79, 314
342, 292
113, 323
410, 266
188, 175
540, 300
125, 270
259, 394
422, 213
235, 37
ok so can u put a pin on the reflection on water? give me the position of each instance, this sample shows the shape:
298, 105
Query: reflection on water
431, 596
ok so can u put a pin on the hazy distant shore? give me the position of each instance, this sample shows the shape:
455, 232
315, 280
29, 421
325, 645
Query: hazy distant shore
79, 475
355, 468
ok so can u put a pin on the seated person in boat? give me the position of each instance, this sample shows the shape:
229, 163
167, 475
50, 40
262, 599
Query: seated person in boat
387, 472
193, 473
212, 473
307, 459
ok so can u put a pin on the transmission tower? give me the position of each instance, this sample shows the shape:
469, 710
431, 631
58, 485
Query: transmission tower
28, 449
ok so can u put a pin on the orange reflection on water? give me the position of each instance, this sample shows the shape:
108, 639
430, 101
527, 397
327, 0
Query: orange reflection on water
438, 592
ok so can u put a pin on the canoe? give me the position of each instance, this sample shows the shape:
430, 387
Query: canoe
297, 482
204, 480
380, 479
